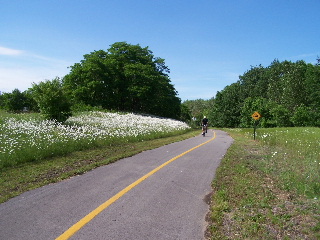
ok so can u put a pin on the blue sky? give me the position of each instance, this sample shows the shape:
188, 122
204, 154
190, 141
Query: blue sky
206, 44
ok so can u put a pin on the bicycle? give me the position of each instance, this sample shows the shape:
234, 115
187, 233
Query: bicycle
204, 129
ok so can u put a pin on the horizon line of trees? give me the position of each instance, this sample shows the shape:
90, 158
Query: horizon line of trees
129, 78
286, 94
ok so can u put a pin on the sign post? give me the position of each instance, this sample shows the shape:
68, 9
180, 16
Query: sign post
256, 116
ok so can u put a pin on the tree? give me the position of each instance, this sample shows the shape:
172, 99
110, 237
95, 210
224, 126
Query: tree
287, 83
280, 116
294, 81
284, 93
14, 101
254, 82
185, 113
227, 107
303, 117
256, 104
313, 86
30, 103
2, 99
198, 109
275, 87
52, 100
125, 77
90, 81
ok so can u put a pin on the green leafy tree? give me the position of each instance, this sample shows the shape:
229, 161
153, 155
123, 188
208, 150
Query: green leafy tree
125, 77
185, 113
254, 83
14, 101
275, 87
294, 92
198, 109
30, 103
285, 93
90, 81
287, 83
304, 117
227, 107
209, 112
313, 91
1, 101
280, 116
313, 86
52, 100
257, 104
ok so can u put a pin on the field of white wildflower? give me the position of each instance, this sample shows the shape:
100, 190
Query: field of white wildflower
26, 139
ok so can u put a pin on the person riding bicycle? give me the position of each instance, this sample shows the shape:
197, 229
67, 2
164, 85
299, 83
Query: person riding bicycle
204, 125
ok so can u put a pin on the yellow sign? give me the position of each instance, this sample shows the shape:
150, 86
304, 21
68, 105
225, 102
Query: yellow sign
256, 115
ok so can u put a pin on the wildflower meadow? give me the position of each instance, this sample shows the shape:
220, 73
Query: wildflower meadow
25, 138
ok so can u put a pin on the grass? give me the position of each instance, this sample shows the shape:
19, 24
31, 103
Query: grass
268, 188
34, 152
18, 179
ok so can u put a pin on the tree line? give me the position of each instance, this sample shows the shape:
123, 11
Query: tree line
284, 93
130, 78
126, 77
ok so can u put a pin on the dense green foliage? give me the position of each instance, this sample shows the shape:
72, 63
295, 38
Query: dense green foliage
13, 102
52, 100
284, 93
197, 110
17, 101
124, 78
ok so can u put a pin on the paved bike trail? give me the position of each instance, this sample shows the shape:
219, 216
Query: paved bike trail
167, 205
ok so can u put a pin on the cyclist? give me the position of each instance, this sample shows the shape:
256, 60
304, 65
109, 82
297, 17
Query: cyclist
204, 125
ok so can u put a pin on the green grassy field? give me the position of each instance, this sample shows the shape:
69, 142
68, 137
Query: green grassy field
268, 188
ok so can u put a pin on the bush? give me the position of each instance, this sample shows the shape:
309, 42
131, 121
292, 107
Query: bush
280, 116
52, 100
303, 116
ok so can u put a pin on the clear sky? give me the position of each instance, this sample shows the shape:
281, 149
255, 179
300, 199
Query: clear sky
206, 44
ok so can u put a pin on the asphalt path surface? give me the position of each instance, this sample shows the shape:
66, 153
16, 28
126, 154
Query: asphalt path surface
169, 204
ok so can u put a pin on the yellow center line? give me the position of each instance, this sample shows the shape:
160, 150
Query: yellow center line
77, 226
